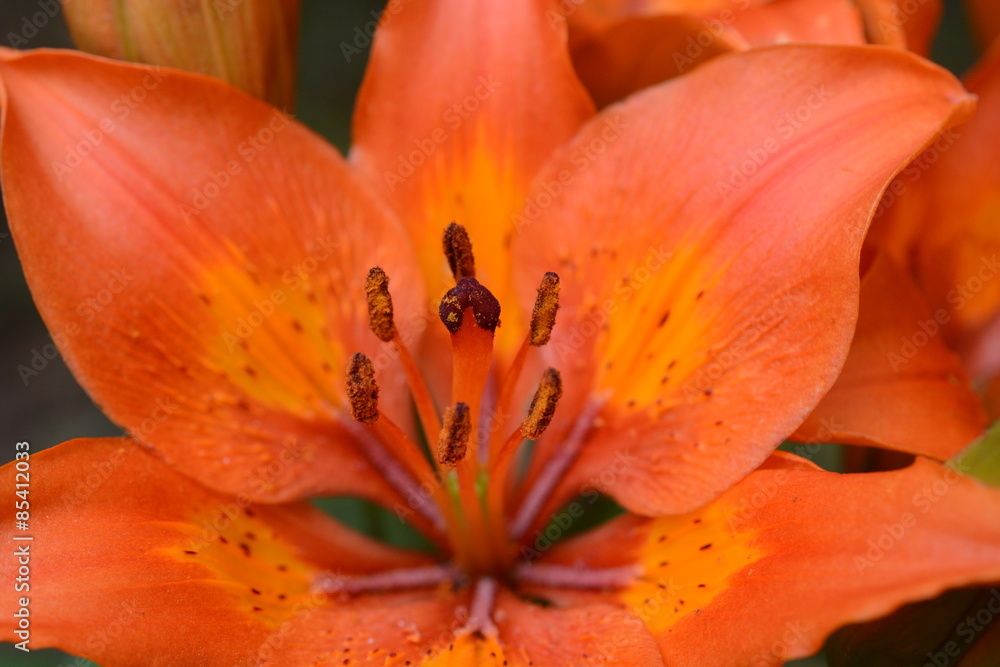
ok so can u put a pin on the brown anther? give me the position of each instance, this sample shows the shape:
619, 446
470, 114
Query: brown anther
468, 293
543, 316
458, 250
455, 432
379, 305
543, 405
362, 390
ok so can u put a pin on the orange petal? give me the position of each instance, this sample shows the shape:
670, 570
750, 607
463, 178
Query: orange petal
251, 45
710, 267
902, 24
619, 48
426, 628
772, 567
901, 387
452, 122
200, 260
129, 559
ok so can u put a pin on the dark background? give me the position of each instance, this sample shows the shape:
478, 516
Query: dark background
51, 407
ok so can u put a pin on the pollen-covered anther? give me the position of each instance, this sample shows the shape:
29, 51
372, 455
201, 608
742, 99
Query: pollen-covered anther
380, 318
455, 432
543, 315
458, 250
362, 389
543, 405
468, 293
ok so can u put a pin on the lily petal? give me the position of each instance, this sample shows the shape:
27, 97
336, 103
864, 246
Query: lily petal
621, 47
462, 141
710, 264
200, 262
424, 629
766, 572
901, 387
131, 559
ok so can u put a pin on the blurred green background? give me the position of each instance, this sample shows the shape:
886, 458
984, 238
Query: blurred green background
50, 407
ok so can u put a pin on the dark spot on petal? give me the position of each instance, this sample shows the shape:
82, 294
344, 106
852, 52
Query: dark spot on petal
705, 546
699, 294
663, 320
255, 591
245, 547
193, 553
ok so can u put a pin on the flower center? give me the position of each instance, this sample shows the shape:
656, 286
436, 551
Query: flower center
470, 465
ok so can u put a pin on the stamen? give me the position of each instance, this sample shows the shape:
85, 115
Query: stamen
468, 293
543, 405
572, 576
554, 470
455, 432
543, 315
480, 619
382, 324
391, 580
543, 319
380, 305
362, 390
458, 250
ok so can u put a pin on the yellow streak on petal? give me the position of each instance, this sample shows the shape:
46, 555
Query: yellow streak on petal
658, 336
275, 342
688, 561
246, 556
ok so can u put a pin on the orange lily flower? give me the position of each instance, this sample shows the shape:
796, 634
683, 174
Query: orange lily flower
209, 268
249, 43
621, 46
